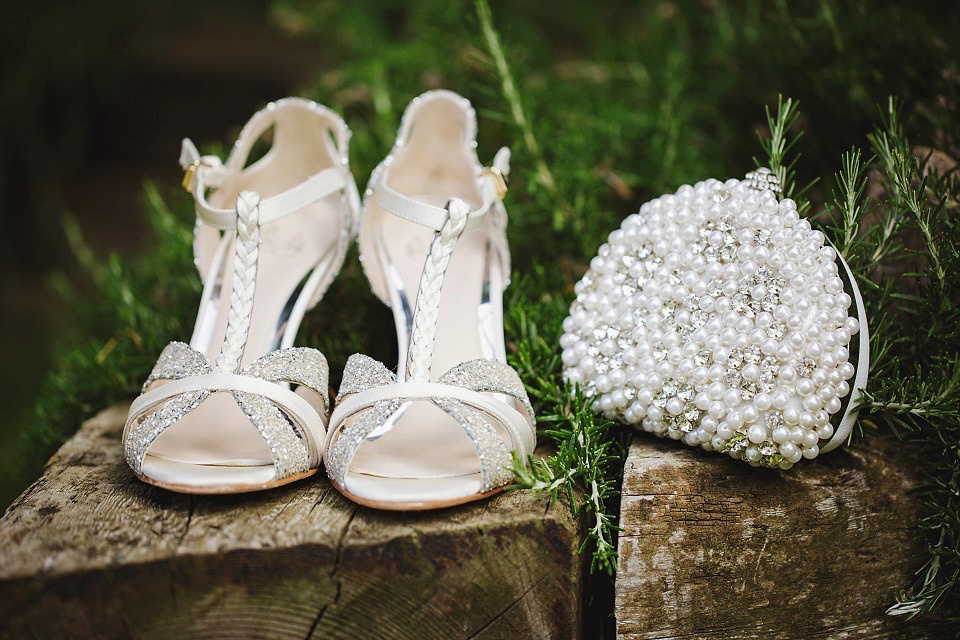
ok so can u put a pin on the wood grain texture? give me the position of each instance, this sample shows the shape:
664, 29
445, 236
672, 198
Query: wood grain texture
89, 551
712, 548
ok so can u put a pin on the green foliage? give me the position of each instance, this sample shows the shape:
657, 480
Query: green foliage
589, 450
917, 393
123, 316
902, 241
605, 109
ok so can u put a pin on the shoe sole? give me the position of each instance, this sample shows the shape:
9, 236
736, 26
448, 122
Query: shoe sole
225, 489
415, 506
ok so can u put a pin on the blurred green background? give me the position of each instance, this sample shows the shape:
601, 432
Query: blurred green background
624, 100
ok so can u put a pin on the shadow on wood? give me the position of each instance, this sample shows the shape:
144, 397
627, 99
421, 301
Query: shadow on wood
89, 551
712, 548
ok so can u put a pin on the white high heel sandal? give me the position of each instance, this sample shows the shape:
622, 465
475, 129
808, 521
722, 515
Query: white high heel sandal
440, 432
218, 415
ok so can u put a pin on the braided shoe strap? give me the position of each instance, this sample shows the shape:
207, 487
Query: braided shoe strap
246, 254
289, 425
363, 375
424, 333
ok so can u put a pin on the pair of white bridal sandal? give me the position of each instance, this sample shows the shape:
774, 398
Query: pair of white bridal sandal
240, 409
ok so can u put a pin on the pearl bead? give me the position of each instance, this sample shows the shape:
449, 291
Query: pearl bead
603, 384
731, 398
617, 377
750, 414
788, 450
734, 419
619, 398
674, 406
756, 434
811, 452
781, 435
780, 400
811, 403
762, 401
716, 409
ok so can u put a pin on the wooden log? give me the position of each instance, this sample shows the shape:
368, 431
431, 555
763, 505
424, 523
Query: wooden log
712, 548
88, 551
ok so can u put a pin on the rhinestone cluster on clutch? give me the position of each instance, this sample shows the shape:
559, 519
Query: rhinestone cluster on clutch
716, 316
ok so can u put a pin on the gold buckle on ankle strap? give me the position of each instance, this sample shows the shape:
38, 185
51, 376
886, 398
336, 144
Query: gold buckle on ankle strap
499, 181
190, 174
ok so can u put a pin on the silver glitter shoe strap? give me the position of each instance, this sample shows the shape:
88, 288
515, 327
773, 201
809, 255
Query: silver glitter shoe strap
490, 376
364, 375
292, 442
495, 461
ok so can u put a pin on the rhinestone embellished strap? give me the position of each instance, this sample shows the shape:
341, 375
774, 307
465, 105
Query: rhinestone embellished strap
296, 365
178, 360
288, 447
359, 374
365, 374
142, 433
491, 449
343, 446
490, 376
291, 446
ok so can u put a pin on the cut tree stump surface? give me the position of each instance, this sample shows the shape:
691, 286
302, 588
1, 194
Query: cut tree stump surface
89, 551
712, 548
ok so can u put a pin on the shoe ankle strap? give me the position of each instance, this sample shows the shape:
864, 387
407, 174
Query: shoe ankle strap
492, 184
205, 172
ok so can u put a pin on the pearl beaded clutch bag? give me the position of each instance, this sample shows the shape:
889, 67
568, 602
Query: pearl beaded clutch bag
718, 317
